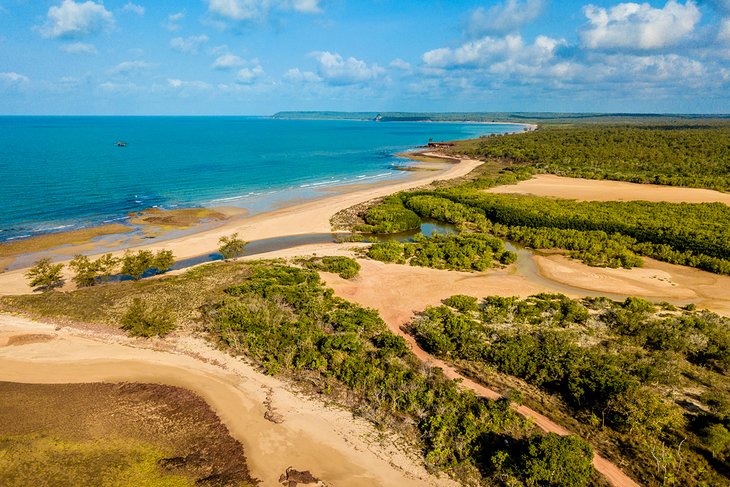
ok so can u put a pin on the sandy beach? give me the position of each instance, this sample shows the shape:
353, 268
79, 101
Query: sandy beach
300, 219
329, 442
602, 190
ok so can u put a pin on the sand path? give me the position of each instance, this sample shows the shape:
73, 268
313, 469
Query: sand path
390, 289
602, 190
336, 447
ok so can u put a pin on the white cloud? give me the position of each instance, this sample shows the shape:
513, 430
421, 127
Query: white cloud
173, 21
294, 75
79, 48
128, 67
724, 33
400, 64
133, 8
489, 50
248, 76
306, 6
188, 44
242, 10
639, 26
73, 20
13, 79
337, 70
504, 17
181, 84
228, 61
127, 87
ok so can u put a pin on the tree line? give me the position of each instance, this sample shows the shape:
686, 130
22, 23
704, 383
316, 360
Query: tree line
612, 364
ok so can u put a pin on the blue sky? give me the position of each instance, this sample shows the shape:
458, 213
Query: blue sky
249, 57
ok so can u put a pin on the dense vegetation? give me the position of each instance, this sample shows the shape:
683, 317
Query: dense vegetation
598, 233
143, 320
467, 252
345, 267
676, 155
624, 368
284, 319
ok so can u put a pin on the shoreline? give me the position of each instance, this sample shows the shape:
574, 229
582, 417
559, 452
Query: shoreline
298, 219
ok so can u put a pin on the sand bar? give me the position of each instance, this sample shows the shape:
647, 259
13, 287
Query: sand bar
334, 446
305, 218
602, 190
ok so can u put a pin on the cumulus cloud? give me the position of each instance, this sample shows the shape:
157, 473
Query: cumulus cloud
490, 50
242, 10
228, 61
13, 79
295, 75
188, 44
248, 76
340, 71
504, 17
639, 26
133, 8
79, 48
128, 67
74, 20
400, 64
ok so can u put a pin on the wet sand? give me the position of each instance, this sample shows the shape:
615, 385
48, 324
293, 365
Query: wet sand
602, 190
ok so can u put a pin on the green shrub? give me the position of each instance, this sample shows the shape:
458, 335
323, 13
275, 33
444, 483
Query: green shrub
231, 246
45, 275
390, 216
386, 251
462, 303
345, 267
140, 320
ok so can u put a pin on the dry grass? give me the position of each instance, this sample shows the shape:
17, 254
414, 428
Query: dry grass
182, 296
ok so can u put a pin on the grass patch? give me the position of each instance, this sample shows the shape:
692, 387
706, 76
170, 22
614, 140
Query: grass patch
36, 459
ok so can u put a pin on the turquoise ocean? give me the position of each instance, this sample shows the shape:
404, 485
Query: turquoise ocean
62, 173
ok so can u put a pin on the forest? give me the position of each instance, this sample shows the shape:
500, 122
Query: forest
611, 234
652, 380
465, 252
285, 320
691, 154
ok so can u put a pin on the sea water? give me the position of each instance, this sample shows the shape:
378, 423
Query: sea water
61, 173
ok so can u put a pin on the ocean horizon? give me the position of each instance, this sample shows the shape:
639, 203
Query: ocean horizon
65, 173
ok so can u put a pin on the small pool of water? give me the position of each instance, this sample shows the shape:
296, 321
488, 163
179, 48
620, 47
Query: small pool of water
428, 228
262, 246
